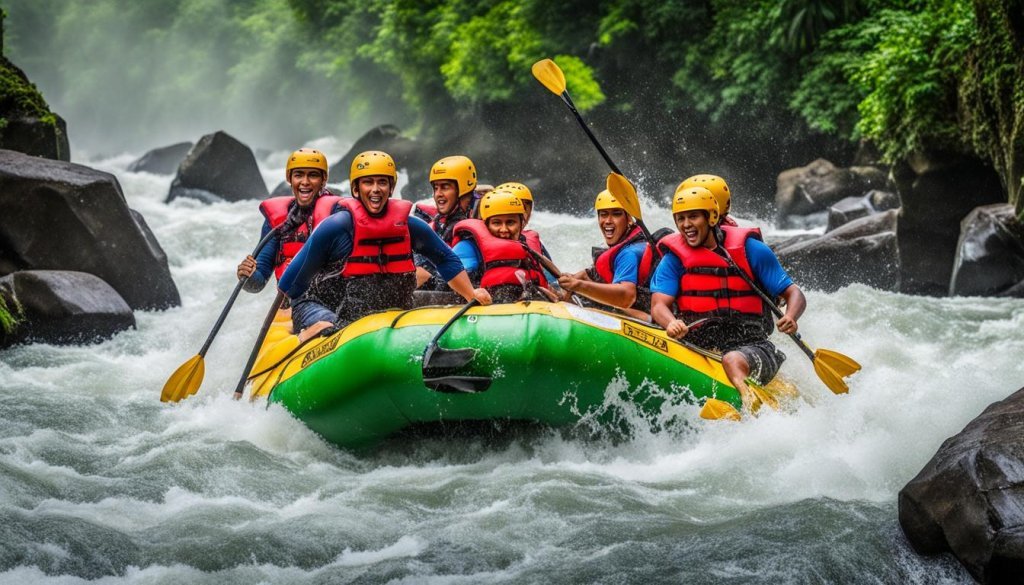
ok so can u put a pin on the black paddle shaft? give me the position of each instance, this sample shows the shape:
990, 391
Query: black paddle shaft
771, 304
234, 295
267, 322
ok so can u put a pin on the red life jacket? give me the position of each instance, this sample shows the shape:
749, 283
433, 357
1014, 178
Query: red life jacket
604, 260
276, 211
441, 224
379, 244
426, 212
710, 286
502, 258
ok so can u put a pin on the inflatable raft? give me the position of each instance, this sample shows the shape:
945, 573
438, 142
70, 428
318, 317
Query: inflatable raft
553, 363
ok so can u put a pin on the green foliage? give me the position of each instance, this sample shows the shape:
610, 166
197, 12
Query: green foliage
9, 319
19, 97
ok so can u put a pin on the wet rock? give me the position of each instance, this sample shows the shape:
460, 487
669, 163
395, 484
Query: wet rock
936, 192
990, 254
863, 250
218, 168
817, 186
64, 216
969, 499
63, 307
162, 161
853, 208
29, 125
408, 154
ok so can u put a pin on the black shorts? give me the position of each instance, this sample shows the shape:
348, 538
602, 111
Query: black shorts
764, 360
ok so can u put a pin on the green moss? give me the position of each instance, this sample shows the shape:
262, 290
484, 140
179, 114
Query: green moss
20, 98
9, 320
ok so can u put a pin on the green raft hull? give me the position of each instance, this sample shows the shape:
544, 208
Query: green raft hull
550, 363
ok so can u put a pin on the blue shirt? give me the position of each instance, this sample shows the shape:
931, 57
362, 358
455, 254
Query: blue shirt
627, 263
331, 242
471, 258
768, 273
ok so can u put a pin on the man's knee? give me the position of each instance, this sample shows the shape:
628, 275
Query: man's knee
735, 361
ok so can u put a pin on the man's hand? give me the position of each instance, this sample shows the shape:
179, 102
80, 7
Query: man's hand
246, 268
787, 325
482, 296
569, 282
677, 329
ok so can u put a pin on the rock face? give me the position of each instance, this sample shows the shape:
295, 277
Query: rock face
817, 186
30, 127
851, 208
969, 499
63, 307
64, 216
218, 168
936, 192
990, 254
162, 161
408, 155
863, 250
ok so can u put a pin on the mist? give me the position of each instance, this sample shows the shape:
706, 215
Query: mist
130, 75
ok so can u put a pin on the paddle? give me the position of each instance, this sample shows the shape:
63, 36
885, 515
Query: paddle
624, 191
831, 366
438, 361
267, 322
185, 381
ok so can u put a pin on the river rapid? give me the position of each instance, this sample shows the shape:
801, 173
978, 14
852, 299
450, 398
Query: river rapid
102, 483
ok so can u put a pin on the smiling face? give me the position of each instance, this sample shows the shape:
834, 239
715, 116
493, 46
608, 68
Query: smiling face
446, 196
306, 183
694, 226
614, 224
506, 227
374, 192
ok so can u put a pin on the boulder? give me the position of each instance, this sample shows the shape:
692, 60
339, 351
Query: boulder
218, 168
934, 201
29, 125
63, 307
863, 250
64, 216
408, 154
969, 499
990, 254
161, 161
817, 186
852, 208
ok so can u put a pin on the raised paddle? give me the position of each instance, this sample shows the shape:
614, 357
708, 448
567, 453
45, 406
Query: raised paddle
185, 381
267, 322
624, 191
439, 362
831, 366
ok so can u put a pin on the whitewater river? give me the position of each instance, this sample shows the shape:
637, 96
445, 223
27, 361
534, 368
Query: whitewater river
102, 483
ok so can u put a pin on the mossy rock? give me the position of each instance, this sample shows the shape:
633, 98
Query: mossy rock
26, 123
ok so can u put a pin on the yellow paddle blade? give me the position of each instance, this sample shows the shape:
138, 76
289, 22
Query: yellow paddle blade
765, 398
841, 364
625, 192
830, 377
185, 381
715, 409
549, 75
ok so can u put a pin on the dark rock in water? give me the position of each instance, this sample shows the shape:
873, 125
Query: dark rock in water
408, 154
969, 499
863, 250
817, 186
29, 125
852, 208
936, 192
990, 254
162, 161
218, 168
64, 307
64, 216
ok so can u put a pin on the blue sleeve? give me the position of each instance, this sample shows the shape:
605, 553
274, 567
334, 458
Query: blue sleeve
666, 276
426, 242
627, 263
264, 261
331, 241
468, 254
768, 272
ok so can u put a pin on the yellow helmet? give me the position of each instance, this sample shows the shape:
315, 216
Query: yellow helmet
521, 190
605, 200
306, 158
712, 183
500, 202
455, 168
370, 163
696, 198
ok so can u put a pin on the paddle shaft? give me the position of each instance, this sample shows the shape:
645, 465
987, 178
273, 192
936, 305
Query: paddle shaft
234, 295
771, 304
455, 317
267, 322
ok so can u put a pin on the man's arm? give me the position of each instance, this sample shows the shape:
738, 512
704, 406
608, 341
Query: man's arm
331, 241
